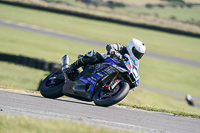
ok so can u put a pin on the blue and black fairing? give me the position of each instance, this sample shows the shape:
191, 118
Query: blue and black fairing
99, 73
133, 71
105, 71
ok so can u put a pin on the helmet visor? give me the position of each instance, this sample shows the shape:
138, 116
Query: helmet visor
137, 54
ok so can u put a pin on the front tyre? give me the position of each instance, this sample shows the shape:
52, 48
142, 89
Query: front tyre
51, 86
102, 98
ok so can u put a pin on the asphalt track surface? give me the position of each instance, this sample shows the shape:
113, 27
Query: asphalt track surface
114, 116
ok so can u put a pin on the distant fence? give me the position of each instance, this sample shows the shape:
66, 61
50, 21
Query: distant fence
30, 62
85, 15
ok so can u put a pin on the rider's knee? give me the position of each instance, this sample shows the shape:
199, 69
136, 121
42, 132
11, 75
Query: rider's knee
93, 57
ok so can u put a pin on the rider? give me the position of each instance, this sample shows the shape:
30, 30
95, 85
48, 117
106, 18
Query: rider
135, 48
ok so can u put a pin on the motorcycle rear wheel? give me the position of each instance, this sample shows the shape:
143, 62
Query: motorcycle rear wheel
107, 100
49, 90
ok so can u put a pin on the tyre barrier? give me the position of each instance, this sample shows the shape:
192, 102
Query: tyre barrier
30, 62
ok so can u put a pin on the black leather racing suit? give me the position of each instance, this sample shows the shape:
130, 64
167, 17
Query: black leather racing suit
93, 57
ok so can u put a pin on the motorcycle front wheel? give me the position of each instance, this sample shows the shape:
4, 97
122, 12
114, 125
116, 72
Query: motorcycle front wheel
51, 86
108, 98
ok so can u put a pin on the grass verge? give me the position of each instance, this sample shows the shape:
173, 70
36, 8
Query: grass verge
170, 76
174, 112
25, 124
19, 77
41, 46
159, 102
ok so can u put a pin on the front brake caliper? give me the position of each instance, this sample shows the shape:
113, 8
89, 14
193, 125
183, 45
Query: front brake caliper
114, 83
111, 86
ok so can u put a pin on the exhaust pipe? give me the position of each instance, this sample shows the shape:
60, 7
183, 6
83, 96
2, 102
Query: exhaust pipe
65, 65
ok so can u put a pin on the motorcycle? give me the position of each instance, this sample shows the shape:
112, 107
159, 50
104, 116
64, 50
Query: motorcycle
105, 83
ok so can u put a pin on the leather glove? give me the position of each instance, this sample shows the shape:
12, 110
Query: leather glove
115, 54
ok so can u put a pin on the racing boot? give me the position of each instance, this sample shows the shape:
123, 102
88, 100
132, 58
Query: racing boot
72, 71
74, 66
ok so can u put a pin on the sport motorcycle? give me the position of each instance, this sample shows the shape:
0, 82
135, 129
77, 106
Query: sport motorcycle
106, 83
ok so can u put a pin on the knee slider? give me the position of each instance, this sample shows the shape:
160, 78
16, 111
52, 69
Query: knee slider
90, 53
92, 57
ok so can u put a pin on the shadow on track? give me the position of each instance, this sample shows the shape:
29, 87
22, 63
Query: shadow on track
63, 99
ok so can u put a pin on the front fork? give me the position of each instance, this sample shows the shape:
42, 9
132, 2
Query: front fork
112, 84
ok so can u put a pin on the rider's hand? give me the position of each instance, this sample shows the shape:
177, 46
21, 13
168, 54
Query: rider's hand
116, 54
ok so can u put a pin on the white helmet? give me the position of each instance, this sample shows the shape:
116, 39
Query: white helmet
136, 48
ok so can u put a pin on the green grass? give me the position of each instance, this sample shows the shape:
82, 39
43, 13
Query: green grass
154, 101
41, 46
170, 76
183, 14
20, 78
175, 45
174, 112
25, 124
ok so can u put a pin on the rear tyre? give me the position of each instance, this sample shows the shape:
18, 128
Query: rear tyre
49, 89
105, 99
